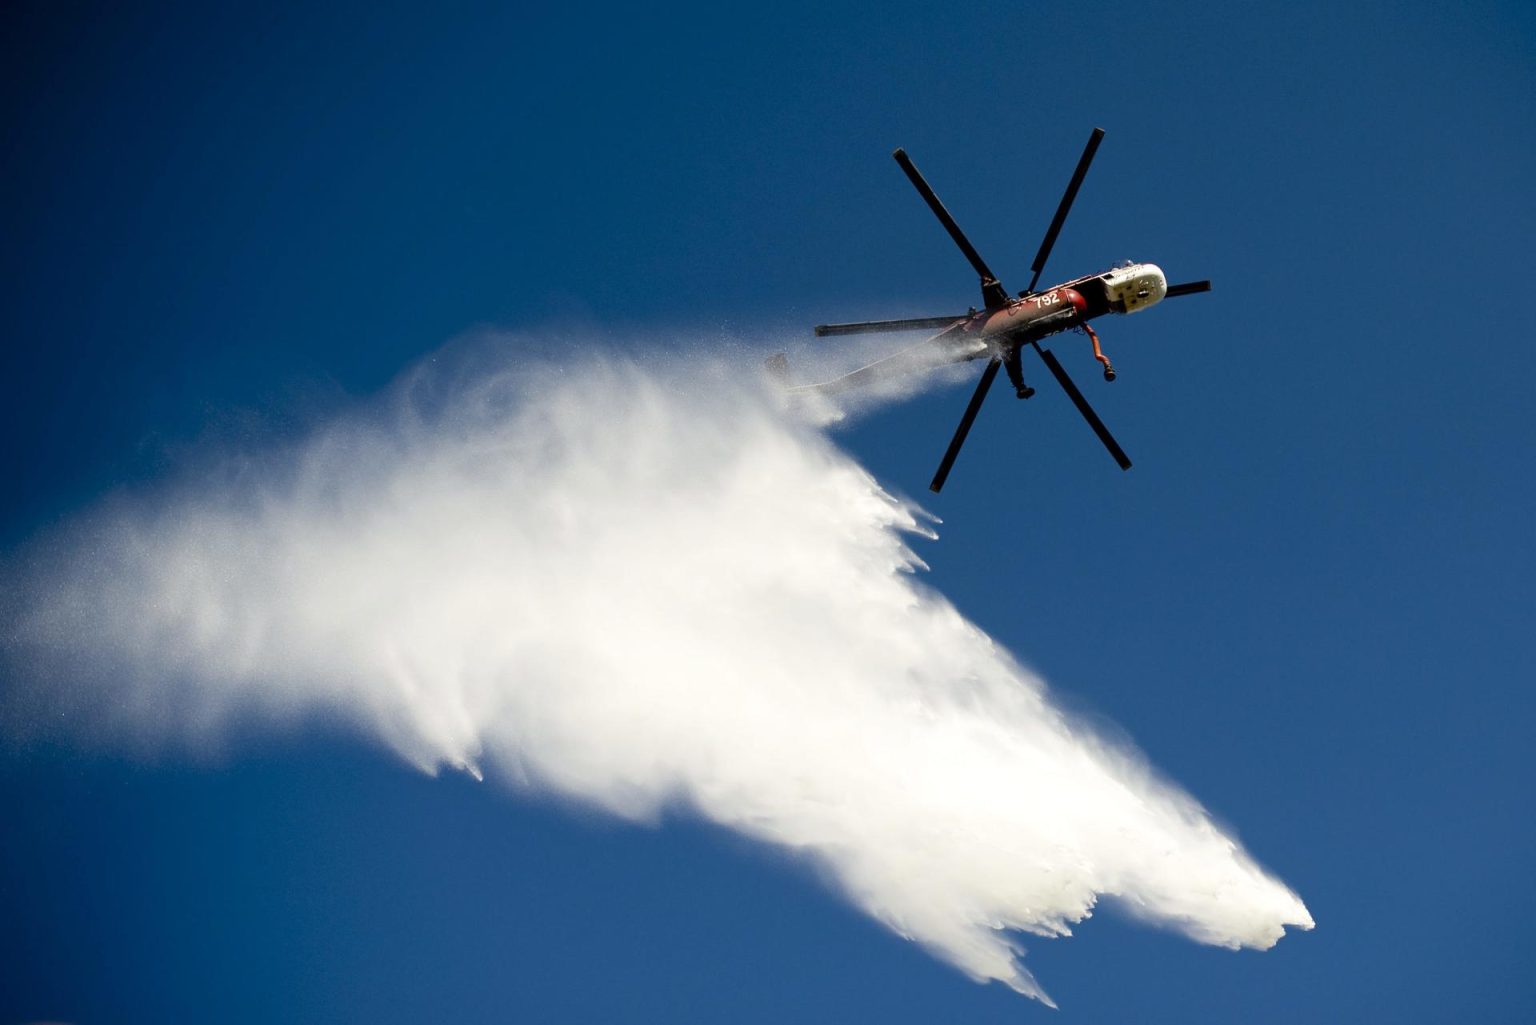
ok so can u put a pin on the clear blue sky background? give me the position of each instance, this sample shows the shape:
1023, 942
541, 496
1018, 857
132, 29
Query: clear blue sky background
1310, 602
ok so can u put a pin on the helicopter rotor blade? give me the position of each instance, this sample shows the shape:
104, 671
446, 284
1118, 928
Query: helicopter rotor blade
1060, 373
872, 326
950, 453
991, 291
1066, 204
1187, 288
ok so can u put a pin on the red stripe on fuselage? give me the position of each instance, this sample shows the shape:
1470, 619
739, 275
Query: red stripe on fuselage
1036, 316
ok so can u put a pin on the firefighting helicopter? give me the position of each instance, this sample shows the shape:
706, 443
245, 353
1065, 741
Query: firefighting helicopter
1005, 325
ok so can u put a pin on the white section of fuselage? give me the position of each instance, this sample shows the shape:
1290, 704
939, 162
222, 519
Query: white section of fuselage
1135, 287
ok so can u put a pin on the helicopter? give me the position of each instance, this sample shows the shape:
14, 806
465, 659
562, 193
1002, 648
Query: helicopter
1006, 325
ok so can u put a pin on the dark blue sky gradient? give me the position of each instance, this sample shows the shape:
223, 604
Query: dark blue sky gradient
1310, 602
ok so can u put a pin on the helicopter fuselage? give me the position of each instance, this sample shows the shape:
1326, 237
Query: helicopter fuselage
1126, 289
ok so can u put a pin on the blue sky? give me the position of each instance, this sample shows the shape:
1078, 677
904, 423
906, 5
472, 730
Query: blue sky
1309, 603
